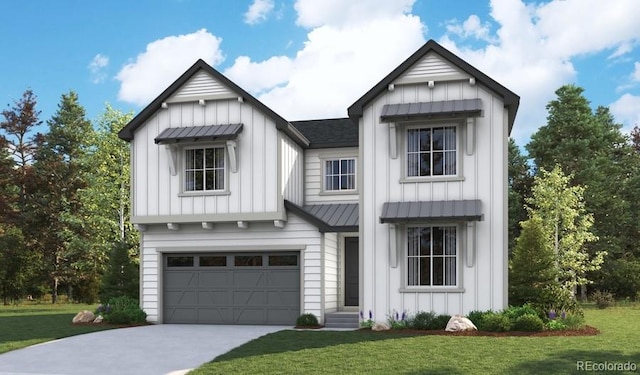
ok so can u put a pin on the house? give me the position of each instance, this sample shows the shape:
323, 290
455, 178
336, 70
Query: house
247, 218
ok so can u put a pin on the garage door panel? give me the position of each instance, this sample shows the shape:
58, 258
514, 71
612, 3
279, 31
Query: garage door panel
181, 279
283, 278
213, 298
233, 292
221, 279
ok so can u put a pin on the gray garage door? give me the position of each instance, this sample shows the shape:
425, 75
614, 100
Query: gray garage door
218, 288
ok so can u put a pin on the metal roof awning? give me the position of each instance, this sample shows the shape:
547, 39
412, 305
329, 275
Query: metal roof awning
457, 210
440, 109
199, 133
334, 217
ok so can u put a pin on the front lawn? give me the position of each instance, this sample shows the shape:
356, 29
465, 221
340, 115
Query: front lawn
29, 324
356, 352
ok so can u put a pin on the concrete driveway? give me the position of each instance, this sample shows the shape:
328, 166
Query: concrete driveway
153, 350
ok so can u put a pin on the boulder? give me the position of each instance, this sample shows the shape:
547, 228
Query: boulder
98, 319
460, 323
84, 316
380, 327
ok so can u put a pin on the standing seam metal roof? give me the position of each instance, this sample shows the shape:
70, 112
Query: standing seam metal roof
334, 217
199, 133
400, 212
467, 107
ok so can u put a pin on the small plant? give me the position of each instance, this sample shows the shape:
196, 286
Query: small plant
366, 323
307, 320
528, 323
573, 322
556, 325
103, 309
495, 322
397, 320
603, 299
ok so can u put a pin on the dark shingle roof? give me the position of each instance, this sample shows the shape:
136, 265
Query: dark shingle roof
333, 217
338, 132
402, 212
199, 133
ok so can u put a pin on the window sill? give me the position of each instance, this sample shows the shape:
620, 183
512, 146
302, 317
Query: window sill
338, 192
406, 180
431, 290
203, 193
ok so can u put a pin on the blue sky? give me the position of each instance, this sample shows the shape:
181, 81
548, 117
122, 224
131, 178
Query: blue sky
312, 59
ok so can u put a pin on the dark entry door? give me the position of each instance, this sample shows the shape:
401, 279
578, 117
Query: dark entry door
351, 276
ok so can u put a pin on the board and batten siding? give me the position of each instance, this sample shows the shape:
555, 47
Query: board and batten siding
252, 189
331, 279
292, 170
227, 237
484, 178
314, 175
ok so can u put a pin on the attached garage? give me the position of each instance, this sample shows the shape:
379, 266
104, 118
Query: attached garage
231, 288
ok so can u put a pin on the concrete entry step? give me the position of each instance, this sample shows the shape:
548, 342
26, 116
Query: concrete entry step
341, 320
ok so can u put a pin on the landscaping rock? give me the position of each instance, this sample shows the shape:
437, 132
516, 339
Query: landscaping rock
98, 319
84, 316
380, 327
459, 323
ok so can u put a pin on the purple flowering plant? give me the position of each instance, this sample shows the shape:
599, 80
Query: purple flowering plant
368, 323
397, 320
103, 309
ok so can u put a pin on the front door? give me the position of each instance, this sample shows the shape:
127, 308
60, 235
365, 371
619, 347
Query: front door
351, 275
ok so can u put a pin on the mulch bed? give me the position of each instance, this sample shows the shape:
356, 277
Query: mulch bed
585, 331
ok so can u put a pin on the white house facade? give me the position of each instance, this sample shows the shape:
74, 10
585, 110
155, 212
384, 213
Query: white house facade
247, 218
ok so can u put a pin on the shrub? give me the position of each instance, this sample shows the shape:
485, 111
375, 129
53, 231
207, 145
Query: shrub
602, 299
422, 320
514, 312
440, 321
528, 322
307, 320
495, 322
123, 310
476, 316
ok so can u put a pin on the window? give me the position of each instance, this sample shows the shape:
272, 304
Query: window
432, 256
340, 174
432, 151
204, 169
213, 261
248, 261
283, 260
177, 261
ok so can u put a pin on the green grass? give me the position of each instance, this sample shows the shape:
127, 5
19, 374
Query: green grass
29, 324
361, 352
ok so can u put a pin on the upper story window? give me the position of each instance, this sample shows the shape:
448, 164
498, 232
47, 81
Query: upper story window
432, 256
432, 151
205, 169
340, 174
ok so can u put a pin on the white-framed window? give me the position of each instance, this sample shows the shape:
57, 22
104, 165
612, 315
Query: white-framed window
340, 174
432, 151
432, 256
204, 169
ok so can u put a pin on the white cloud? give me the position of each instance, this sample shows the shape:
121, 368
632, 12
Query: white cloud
535, 46
626, 110
256, 77
96, 68
258, 11
471, 27
635, 76
163, 61
339, 13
